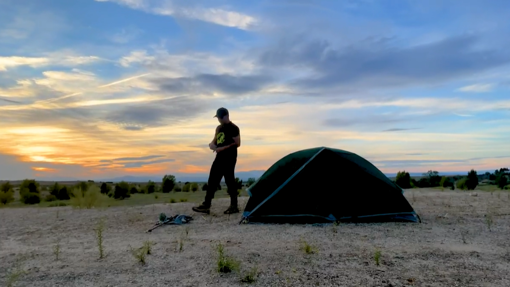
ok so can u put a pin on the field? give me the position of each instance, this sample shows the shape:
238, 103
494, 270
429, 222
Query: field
463, 241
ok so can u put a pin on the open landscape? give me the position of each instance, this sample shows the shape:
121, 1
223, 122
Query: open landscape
462, 241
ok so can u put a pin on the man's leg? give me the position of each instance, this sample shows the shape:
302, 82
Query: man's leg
215, 175
230, 180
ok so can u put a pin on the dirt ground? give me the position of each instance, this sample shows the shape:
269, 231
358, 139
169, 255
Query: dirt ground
452, 247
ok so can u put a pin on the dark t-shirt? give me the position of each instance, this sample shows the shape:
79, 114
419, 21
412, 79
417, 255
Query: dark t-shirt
225, 137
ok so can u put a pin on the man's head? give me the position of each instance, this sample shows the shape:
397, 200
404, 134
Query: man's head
222, 115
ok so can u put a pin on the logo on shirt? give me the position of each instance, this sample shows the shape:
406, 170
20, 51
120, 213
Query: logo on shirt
220, 138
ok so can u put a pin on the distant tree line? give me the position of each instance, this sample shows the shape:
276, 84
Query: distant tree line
500, 177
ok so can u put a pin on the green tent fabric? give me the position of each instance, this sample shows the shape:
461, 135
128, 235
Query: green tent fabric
321, 185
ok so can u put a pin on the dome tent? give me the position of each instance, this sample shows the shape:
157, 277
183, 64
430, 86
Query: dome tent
321, 185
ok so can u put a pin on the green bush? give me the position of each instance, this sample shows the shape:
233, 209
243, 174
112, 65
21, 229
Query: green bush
133, 190
61, 193
105, 188
501, 180
194, 186
89, 199
5, 187
50, 197
30, 192
151, 187
472, 180
403, 179
121, 190
178, 188
186, 187
6, 197
168, 183
462, 184
30, 198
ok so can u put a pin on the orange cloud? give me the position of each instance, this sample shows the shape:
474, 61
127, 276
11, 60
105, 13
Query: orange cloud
45, 169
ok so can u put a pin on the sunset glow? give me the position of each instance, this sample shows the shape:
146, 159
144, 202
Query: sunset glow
128, 96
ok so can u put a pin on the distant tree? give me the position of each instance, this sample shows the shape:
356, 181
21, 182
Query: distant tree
133, 189
6, 193
403, 179
63, 193
194, 186
250, 181
54, 189
178, 188
186, 187
168, 183
121, 190
151, 187
462, 183
6, 186
443, 182
83, 186
30, 192
472, 180
105, 188
501, 180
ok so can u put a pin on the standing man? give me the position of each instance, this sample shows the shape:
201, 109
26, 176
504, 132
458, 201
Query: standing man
227, 139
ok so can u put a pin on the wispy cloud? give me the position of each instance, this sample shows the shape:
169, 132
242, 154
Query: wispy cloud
477, 88
36, 62
398, 130
175, 9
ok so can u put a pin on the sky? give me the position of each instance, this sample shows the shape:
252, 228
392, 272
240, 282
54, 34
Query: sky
105, 88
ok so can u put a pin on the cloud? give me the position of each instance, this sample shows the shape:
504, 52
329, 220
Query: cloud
164, 112
36, 62
210, 84
133, 158
398, 130
141, 164
477, 88
170, 8
376, 63
370, 120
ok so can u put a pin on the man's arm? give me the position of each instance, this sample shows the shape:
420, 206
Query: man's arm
212, 144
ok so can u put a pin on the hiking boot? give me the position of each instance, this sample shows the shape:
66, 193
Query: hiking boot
231, 209
202, 208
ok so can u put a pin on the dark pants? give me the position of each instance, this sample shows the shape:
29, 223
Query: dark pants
222, 167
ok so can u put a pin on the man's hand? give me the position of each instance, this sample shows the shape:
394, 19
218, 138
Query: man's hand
220, 149
212, 146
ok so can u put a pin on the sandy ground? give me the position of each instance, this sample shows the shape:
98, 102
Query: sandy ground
452, 247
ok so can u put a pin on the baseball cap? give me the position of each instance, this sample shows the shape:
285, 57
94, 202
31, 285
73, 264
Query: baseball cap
221, 112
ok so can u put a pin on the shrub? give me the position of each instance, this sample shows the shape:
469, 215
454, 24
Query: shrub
472, 180
178, 188
5, 187
186, 187
403, 179
251, 276
307, 248
83, 186
423, 182
92, 198
225, 264
6, 197
30, 198
50, 197
121, 190
204, 187
105, 188
151, 187
172, 200
461, 184
501, 180
133, 190
194, 187
184, 200
63, 193
168, 183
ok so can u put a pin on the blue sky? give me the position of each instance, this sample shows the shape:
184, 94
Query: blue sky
412, 85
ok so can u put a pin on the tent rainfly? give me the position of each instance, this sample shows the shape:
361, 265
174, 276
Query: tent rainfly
323, 185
